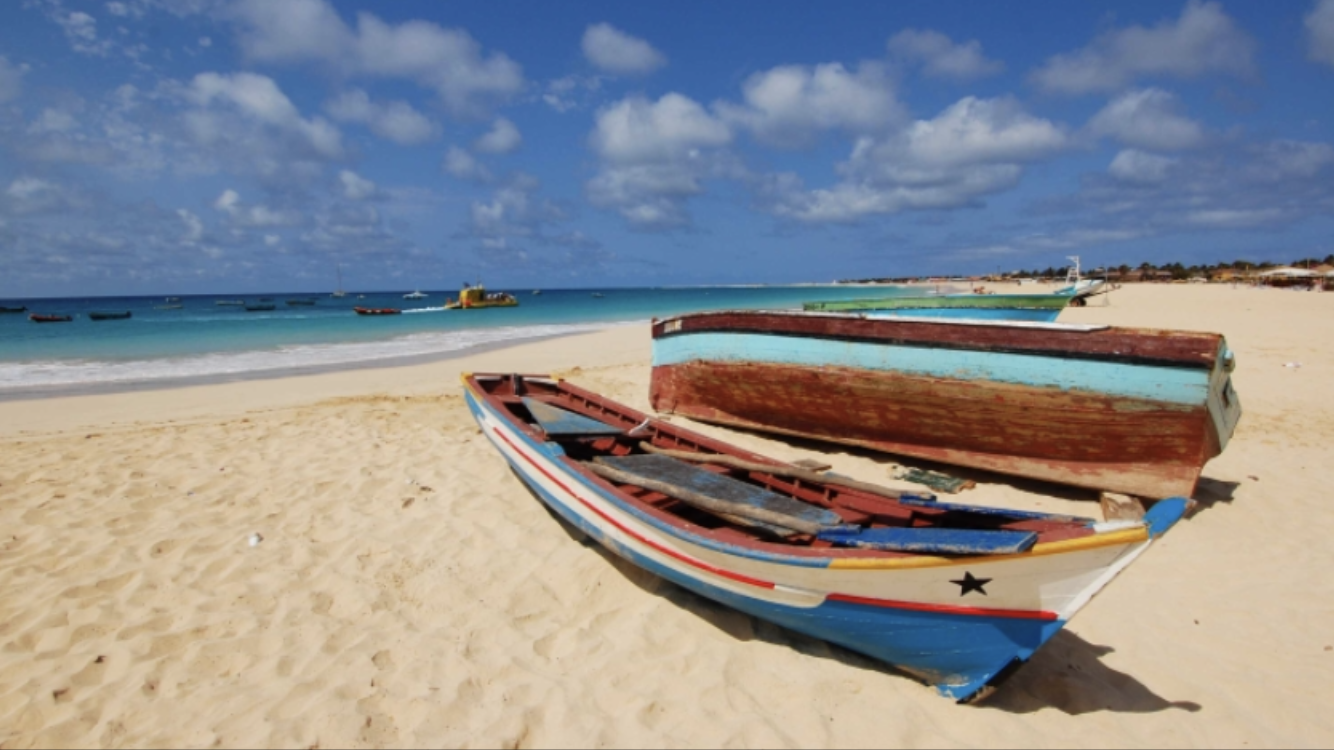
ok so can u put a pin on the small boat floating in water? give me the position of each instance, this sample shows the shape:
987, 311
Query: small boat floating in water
955, 595
13, 309
377, 311
109, 315
306, 302
1128, 410
476, 298
39, 318
262, 307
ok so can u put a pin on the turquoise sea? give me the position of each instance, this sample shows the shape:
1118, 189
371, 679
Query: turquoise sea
206, 341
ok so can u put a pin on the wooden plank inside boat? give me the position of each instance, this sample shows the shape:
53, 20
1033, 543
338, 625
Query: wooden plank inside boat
557, 421
670, 471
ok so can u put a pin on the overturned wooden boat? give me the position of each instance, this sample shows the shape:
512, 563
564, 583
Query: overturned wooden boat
377, 310
110, 315
1033, 307
1129, 410
957, 596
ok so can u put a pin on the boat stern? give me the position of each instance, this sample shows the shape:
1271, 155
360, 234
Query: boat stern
1224, 406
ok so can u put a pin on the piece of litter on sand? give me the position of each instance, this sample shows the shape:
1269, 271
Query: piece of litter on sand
255, 539
1293, 365
935, 480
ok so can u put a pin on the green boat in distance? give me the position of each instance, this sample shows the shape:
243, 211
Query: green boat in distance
1031, 307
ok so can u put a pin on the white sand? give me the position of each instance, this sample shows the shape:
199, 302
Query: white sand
409, 591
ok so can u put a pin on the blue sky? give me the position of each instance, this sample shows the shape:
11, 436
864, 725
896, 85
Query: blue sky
153, 147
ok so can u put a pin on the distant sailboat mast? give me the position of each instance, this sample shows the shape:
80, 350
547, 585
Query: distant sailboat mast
339, 291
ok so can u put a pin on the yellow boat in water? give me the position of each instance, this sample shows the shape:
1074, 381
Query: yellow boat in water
473, 297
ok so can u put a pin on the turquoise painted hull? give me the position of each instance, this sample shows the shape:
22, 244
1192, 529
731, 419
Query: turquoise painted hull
1130, 411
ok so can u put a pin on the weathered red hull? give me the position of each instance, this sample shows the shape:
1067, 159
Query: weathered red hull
1139, 446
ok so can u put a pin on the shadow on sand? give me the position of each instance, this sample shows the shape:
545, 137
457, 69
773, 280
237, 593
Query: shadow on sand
1066, 674
1211, 492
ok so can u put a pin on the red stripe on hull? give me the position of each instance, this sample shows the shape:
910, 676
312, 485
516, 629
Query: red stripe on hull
1140, 447
1014, 614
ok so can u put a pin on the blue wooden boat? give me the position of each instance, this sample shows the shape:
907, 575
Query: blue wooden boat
957, 596
1129, 410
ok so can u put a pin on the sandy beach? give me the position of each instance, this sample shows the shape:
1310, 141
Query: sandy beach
342, 560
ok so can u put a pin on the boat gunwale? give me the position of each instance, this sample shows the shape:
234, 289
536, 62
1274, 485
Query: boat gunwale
1199, 350
942, 302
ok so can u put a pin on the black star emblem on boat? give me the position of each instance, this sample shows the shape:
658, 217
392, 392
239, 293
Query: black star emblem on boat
969, 583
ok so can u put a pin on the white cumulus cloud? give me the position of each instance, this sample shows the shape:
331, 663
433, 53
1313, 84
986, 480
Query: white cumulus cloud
615, 51
1132, 165
1203, 40
11, 80
463, 165
654, 156
790, 104
1147, 119
1320, 31
53, 121
355, 187
502, 138
973, 148
396, 121
636, 129
449, 61
258, 98
229, 203
942, 58
81, 31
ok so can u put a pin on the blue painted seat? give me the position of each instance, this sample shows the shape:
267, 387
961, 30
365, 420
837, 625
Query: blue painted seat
556, 421
932, 541
690, 477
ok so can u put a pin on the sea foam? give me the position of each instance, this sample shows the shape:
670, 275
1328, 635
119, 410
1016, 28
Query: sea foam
298, 357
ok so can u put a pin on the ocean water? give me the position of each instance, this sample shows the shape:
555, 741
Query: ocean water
205, 341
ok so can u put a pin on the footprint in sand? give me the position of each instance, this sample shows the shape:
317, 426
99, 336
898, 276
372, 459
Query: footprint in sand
164, 547
321, 602
383, 660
